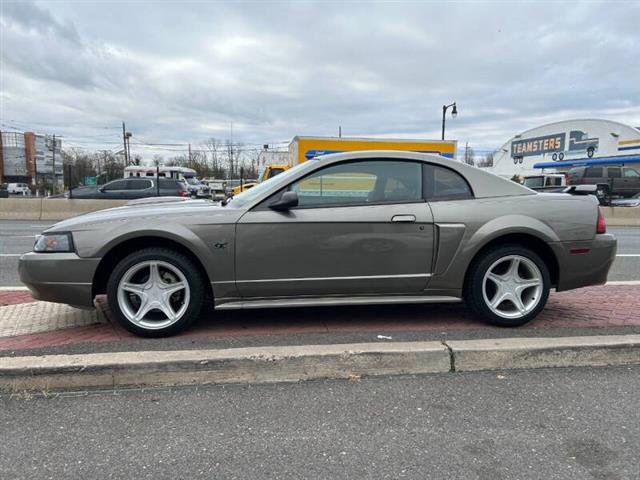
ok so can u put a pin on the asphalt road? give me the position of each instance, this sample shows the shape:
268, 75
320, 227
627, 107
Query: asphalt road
552, 424
16, 237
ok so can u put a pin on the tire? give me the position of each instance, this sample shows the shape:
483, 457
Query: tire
177, 285
561, 156
481, 290
590, 152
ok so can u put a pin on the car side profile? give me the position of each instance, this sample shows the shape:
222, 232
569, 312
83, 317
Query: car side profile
376, 227
133, 188
615, 180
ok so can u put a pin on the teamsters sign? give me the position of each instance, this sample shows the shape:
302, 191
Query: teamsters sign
537, 145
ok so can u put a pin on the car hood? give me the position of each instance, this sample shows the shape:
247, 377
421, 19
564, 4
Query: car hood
164, 210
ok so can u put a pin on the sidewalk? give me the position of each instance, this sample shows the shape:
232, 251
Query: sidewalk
29, 325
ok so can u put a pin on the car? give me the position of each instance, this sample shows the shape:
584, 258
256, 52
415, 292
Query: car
612, 180
132, 188
218, 188
18, 188
373, 227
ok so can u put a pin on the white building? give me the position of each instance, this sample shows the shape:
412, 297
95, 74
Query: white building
561, 145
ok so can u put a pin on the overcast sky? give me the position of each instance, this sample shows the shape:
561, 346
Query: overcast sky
180, 72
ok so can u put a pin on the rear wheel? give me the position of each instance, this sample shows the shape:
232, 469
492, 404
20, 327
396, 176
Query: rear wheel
155, 292
508, 286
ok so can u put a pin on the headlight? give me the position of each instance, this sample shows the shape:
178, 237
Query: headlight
54, 242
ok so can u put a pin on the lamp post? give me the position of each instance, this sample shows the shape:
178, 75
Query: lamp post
454, 114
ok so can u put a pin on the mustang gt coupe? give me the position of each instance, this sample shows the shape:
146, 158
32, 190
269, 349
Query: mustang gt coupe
374, 227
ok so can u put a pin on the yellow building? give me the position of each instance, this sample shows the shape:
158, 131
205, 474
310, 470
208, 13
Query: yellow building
302, 149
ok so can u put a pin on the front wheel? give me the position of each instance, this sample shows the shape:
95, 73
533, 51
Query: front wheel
508, 286
155, 292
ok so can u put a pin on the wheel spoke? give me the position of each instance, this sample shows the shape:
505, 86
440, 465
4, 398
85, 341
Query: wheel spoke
167, 309
154, 274
524, 284
495, 278
498, 299
517, 302
144, 308
514, 267
171, 288
136, 288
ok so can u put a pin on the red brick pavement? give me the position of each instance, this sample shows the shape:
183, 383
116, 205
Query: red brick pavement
14, 297
593, 307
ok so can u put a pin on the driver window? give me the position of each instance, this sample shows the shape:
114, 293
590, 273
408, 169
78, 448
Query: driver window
361, 183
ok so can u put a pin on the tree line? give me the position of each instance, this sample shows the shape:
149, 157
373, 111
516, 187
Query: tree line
212, 159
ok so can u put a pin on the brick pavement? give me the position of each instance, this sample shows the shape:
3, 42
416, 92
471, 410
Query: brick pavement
594, 307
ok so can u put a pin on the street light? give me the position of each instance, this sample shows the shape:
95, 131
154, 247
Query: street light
454, 114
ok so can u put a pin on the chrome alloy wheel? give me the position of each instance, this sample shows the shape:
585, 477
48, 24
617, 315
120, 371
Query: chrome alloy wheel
512, 286
153, 294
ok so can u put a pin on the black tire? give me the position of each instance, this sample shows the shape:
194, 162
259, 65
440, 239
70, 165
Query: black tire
561, 156
192, 274
473, 293
590, 152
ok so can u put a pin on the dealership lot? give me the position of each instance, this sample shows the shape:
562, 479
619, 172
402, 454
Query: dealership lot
16, 237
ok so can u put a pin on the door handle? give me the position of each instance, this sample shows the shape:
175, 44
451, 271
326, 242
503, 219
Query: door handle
403, 218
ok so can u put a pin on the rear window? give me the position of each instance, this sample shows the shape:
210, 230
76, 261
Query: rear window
444, 184
593, 172
533, 182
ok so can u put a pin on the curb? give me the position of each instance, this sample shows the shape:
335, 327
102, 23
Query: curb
308, 362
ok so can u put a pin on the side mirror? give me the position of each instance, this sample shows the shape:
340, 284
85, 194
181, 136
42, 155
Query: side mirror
287, 201
101, 189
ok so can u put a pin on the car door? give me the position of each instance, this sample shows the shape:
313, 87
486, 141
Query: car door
361, 227
631, 179
113, 190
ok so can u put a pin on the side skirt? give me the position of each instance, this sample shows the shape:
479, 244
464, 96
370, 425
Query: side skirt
334, 301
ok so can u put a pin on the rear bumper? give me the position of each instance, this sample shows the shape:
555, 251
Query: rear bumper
59, 277
590, 266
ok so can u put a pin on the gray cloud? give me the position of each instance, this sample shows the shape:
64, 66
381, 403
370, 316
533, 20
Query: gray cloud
181, 72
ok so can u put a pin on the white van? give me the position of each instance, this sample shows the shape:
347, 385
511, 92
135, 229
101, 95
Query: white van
21, 188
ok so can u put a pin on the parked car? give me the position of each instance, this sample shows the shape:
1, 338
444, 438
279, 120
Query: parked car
18, 188
546, 182
4, 193
218, 188
351, 228
614, 181
130, 188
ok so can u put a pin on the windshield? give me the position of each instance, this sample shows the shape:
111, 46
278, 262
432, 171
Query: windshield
533, 182
255, 192
192, 180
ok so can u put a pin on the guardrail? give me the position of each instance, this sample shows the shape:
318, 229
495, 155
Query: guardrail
62, 208
51, 209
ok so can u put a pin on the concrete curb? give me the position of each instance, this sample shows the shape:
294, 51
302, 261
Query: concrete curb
307, 362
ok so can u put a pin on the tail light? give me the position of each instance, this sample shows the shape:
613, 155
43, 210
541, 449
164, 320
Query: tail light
182, 193
601, 225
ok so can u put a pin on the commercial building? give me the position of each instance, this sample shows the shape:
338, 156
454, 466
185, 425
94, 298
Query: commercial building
559, 146
30, 158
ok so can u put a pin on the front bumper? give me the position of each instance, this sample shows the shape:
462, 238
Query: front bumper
588, 268
59, 277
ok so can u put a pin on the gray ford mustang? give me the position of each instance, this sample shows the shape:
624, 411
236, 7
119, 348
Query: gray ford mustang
371, 227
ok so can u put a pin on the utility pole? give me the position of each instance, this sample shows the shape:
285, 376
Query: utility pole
53, 166
124, 143
339, 131
190, 158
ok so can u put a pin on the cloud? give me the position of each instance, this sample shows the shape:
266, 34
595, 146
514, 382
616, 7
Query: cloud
181, 72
